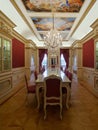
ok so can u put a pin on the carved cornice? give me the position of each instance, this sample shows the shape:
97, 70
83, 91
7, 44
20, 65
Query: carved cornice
30, 45
95, 25
84, 15
77, 44
95, 29
18, 36
22, 15
76, 48
93, 34
6, 25
6, 20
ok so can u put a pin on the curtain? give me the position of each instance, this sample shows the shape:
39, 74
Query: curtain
65, 53
41, 56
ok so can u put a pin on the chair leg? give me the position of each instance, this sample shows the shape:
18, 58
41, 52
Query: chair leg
35, 101
60, 112
44, 112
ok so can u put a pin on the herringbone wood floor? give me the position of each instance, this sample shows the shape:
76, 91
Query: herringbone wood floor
82, 114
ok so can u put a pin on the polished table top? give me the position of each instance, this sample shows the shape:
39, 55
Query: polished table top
53, 71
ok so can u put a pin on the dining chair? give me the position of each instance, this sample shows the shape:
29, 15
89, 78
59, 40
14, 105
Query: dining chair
52, 92
31, 87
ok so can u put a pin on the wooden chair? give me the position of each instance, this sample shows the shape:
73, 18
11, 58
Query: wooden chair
31, 87
53, 92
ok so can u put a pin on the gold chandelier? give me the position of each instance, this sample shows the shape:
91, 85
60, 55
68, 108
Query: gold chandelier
53, 39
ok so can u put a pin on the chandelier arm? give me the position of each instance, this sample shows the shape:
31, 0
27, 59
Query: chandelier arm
53, 39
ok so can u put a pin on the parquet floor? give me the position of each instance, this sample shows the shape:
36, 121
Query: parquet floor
82, 114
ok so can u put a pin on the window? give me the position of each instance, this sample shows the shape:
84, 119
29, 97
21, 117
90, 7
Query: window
32, 63
63, 62
44, 62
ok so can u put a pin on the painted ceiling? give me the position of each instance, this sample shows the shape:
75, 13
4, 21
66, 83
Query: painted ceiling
34, 18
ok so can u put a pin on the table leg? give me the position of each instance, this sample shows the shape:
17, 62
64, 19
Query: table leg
68, 96
37, 96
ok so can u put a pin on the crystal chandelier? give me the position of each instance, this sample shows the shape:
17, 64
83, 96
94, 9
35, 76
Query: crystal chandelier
53, 39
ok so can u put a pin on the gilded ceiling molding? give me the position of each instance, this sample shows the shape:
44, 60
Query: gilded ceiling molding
6, 20
84, 15
93, 33
30, 45
87, 37
6, 25
77, 44
19, 37
22, 15
95, 28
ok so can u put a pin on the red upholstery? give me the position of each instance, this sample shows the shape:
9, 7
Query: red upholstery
31, 89
70, 76
66, 72
35, 74
31, 86
53, 92
53, 100
64, 90
52, 66
52, 87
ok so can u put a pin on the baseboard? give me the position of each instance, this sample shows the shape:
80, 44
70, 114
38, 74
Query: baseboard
89, 88
10, 93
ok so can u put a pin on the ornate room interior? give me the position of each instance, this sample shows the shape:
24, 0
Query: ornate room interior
39, 38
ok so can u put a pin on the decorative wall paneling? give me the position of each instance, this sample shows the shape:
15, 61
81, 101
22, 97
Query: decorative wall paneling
11, 80
30, 52
18, 53
89, 73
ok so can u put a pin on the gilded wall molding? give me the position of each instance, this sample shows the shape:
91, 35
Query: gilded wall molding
95, 28
84, 15
30, 45
6, 20
93, 34
22, 15
77, 44
19, 37
6, 25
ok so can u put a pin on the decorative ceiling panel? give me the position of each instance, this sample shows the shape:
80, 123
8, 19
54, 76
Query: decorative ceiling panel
43, 15
45, 24
56, 5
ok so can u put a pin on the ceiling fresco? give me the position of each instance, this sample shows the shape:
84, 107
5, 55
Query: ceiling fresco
43, 15
57, 5
61, 24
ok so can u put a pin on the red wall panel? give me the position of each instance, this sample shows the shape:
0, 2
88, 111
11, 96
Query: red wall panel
18, 53
88, 54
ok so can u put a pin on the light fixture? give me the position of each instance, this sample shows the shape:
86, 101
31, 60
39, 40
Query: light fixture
53, 39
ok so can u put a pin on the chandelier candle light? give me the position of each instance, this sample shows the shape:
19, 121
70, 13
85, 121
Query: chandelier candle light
53, 39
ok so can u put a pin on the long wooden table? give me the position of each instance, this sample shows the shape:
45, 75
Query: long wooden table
55, 71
